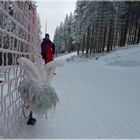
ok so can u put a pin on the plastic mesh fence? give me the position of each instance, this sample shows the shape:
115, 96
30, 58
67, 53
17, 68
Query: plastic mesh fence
19, 36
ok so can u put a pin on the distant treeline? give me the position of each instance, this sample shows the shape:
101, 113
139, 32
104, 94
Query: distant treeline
98, 26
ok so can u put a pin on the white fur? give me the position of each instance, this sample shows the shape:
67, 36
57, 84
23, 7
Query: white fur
30, 69
50, 67
37, 90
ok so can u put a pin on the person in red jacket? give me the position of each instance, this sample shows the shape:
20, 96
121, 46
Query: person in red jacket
47, 49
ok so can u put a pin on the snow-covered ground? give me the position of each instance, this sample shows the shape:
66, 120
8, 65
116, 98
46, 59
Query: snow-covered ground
98, 99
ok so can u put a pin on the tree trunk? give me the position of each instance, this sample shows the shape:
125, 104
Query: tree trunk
104, 39
138, 37
109, 39
83, 44
78, 48
87, 41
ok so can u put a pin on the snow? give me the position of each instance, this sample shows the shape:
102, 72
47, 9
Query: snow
98, 98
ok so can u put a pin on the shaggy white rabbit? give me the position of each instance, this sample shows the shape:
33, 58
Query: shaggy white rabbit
36, 90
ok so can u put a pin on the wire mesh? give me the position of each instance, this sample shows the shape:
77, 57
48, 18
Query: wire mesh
19, 36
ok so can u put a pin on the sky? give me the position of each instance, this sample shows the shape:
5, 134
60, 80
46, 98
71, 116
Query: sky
99, 99
53, 11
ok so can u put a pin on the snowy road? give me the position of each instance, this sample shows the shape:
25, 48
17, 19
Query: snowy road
96, 101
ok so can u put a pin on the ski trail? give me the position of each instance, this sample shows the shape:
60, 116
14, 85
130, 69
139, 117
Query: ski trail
93, 104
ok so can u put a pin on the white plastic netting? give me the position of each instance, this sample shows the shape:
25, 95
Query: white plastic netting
19, 36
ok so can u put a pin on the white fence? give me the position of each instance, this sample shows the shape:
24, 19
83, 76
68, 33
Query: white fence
19, 36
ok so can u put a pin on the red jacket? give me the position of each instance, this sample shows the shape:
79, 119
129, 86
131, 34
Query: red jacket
48, 51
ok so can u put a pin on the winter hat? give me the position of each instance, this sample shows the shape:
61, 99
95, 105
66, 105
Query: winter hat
47, 35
